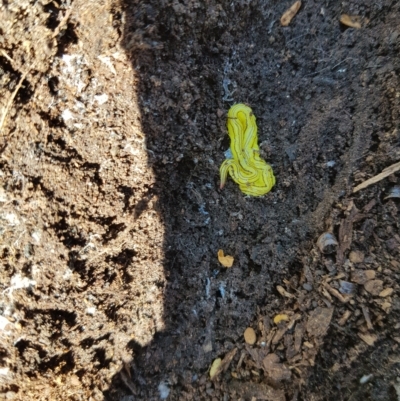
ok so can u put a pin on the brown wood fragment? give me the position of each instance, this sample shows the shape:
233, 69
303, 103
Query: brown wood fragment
368, 338
225, 363
341, 297
298, 336
239, 364
260, 391
362, 276
369, 205
289, 14
257, 354
367, 318
290, 350
319, 321
374, 287
293, 320
385, 173
356, 257
274, 369
342, 321
346, 232
352, 21
279, 334
283, 292
386, 292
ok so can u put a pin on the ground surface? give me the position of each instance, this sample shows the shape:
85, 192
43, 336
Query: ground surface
111, 214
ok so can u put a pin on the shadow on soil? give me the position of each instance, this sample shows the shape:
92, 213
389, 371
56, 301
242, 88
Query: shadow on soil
304, 83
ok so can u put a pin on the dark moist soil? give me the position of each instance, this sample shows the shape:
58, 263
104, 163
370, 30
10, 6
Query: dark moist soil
111, 215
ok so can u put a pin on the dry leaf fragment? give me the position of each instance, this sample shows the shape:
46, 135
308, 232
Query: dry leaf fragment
214, 367
288, 15
250, 336
226, 261
352, 21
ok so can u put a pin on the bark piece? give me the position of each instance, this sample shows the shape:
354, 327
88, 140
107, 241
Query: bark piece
356, 257
346, 233
319, 321
276, 370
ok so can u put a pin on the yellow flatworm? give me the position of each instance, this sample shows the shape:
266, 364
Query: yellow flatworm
254, 176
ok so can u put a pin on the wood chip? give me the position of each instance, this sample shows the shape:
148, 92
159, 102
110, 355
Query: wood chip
356, 257
283, 292
374, 287
368, 338
369, 205
250, 336
342, 321
298, 336
352, 21
367, 317
362, 276
386, 306
289, 14
386, 292
279, 334
274, 369
319, 321
346, 233
260, 391
257, 354
341, 297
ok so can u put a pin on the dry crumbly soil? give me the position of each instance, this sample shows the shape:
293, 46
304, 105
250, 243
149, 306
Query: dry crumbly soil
111, 214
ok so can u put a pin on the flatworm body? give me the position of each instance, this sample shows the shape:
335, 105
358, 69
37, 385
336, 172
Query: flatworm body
253, 175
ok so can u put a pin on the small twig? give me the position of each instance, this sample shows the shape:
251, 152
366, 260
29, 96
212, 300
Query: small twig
17, 88
6, 56
11, 99
62, 23
385, 173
